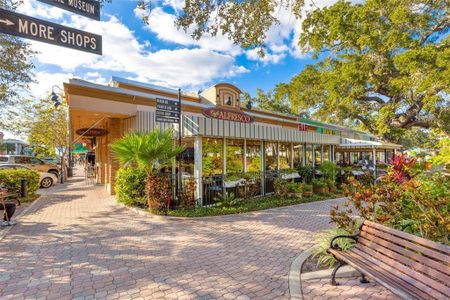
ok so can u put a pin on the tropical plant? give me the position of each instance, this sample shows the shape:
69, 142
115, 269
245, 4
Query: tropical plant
306, 173
294, 187
328, 170
319, 182
307, 187
226, 200
402, 167
323, 241
188, 196
147, 150
418, 205
280, 187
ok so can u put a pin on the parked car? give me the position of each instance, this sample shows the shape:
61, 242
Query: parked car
51, 160
31, 162
46, 179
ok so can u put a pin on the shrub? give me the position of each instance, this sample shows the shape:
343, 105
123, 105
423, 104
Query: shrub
306, 173
130, 186
294, 187
280, 187
188, 197
307, 187
319, 183
328, 170
226, 200
323, 241
158, 192
12, 178
420, 206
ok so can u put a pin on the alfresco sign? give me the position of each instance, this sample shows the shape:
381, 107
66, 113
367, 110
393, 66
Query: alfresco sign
228, 115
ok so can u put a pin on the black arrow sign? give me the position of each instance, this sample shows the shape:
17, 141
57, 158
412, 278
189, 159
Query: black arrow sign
31, 28
87, 8
166, 120
170, 114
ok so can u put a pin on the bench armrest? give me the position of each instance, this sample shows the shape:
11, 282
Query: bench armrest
353, 237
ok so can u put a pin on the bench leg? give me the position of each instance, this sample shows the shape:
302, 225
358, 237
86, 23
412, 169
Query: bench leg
363, 279
333, 275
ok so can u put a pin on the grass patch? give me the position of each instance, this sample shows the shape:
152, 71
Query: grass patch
245, 206
29, 198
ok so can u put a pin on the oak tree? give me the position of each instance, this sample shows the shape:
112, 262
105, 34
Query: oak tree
385, 63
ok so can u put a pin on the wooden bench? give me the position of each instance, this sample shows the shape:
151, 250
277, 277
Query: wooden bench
411, 267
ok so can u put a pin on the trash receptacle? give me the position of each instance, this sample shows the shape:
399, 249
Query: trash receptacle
69, 172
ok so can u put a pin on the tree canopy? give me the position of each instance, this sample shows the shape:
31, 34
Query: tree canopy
384, 63
15, 68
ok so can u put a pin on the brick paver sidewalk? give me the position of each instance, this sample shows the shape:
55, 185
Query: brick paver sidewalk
76, 242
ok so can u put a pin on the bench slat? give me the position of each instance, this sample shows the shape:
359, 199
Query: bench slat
404, 243
379, 247
412, 238
393, 273
406, 252
441, 288
396, 285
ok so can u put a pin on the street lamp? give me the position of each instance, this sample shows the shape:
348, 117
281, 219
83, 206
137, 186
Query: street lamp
56, 99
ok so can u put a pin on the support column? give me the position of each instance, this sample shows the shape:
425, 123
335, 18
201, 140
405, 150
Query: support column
292, 156
385, 156
278, 157
198, 155
114, 134
263, 168
245, 156
224, 156
374, 154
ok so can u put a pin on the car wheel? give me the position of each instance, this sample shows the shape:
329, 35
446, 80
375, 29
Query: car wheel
46, 182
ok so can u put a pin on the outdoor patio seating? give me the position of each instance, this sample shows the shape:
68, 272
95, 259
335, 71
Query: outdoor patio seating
410, 266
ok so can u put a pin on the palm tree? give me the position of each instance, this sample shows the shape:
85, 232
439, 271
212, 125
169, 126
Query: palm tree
149, 151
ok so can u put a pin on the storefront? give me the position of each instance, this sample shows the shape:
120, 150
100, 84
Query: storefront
221, 137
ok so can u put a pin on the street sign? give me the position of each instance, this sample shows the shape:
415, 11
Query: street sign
31, 28
166, 120
87, 8
167, 105
170, 114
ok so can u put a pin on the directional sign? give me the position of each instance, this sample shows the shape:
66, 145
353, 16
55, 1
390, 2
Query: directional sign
31, 28
166, 120
87, 8
167, 102
170, 114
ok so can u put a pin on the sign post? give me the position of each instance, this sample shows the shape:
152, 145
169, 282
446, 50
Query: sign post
20, 25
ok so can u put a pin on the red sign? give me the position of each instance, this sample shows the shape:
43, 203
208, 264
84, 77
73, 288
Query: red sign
228, 115
302, 127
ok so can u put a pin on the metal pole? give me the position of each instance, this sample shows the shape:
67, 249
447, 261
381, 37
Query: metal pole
180, 184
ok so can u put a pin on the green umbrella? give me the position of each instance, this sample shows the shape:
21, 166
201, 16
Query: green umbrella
79, 148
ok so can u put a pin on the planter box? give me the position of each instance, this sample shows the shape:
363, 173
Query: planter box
307, 193
317, 189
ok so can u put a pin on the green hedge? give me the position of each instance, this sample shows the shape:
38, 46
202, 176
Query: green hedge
130, 186
11, 179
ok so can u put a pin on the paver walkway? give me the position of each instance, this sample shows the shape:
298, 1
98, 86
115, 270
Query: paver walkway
76, 242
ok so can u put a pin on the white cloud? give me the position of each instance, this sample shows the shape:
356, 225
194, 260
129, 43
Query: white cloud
124, 54
45, 82
268, 58
162, 24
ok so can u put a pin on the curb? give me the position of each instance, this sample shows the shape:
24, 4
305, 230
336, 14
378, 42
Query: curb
296, 276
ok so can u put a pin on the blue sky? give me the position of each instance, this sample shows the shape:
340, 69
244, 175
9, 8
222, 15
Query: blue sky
160, 54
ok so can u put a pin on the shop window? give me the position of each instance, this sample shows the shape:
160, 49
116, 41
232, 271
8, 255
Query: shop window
326, 153
253, 156
309, 155
298, 155
212, 161
235, 156
285, 156
271, 156
317, 155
